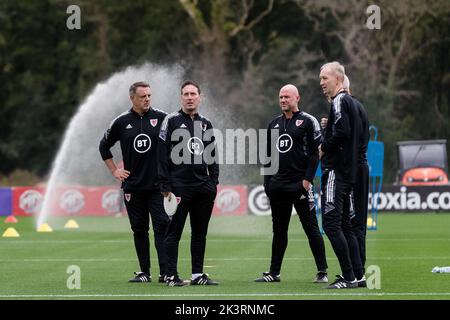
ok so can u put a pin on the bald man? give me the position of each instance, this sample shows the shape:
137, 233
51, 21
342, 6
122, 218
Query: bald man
298, 139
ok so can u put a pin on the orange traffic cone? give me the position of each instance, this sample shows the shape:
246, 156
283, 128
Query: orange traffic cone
11, 219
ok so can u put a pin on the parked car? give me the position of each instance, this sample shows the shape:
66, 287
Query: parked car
422, 163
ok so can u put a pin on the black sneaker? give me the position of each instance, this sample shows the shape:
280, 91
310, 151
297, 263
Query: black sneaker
341, 283
362, 282
175, 281
268, 277
321, 277
204, 280
162, 279
141, 277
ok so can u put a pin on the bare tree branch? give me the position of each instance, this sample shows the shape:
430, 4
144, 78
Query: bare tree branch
242, 26
203, 31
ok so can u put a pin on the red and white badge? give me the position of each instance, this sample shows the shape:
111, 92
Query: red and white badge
153, 122
298, 122
128, 196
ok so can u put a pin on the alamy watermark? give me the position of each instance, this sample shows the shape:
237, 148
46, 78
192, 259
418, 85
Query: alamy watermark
74, 279
234, 146
373, 279
374, 20
73, 22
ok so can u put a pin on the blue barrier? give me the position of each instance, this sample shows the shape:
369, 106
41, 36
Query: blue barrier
375, 157
5, 201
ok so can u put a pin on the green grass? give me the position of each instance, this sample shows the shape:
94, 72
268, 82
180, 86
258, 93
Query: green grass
405, 247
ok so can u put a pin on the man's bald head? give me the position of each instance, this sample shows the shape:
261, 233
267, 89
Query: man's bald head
290, 88
289, 98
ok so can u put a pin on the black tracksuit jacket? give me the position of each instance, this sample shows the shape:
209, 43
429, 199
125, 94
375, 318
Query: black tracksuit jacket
299, 138
196, 171
364, 135
342, 139
138, 138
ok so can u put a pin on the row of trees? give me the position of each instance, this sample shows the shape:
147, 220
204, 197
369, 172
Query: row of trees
243, 50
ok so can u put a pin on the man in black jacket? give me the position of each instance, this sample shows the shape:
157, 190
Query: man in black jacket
359, 195
137, 130
339, 154
298, 140
186, 171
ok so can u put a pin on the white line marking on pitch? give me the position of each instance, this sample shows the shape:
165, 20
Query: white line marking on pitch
209, 240
207, 259
225, 295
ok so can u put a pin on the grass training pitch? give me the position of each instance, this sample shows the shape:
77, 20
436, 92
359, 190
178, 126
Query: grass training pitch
35, 265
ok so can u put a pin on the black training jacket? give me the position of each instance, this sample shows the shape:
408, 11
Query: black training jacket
187, 139
342, 137
364, 135
297, 147
138, 138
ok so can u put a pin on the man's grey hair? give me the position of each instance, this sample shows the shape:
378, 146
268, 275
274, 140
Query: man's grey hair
136, 85
337, 68
346, 84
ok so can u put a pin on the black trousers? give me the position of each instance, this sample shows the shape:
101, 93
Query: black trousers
360, 206
199, 203
139, 204
281, 205
337, 225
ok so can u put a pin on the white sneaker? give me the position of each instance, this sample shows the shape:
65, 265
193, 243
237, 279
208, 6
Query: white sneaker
321, 277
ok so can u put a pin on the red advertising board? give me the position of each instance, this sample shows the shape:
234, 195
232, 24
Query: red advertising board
231, 200
68, 200
27, 201
104, 201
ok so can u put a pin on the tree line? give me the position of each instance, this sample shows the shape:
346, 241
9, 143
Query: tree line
243, 50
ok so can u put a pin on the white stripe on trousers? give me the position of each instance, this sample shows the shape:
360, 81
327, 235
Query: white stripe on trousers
352, 207
330, 187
